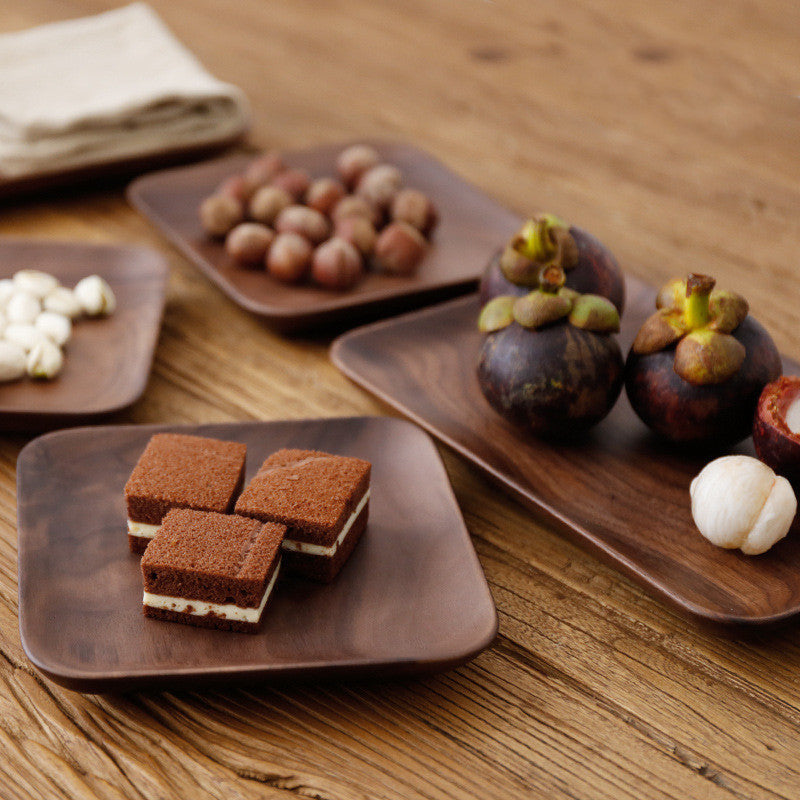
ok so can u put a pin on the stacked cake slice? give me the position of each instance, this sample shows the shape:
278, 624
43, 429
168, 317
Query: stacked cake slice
205, 566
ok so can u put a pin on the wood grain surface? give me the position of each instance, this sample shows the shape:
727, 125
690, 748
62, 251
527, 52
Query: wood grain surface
668, 130
470, 225
618, 490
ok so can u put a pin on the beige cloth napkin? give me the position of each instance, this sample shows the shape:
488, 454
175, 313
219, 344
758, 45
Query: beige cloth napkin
104, 88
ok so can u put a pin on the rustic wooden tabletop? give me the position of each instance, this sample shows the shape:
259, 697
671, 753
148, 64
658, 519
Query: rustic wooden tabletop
669, 130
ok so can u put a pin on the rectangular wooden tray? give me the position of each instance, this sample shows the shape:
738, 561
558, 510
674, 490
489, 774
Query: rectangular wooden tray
620, 492
471, 223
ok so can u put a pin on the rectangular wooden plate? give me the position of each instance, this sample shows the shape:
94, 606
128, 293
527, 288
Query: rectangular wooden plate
620, 492
411, 599
470, 225
107, 361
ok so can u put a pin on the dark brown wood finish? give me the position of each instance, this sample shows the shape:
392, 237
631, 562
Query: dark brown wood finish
621, 492
411, 599
470, 226
107, 359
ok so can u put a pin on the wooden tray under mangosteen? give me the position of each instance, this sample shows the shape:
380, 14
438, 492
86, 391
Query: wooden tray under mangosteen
619, 491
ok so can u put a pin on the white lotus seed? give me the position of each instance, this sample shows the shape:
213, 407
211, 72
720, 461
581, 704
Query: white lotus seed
34, 282
6, 290
95, 295
56, 327
13, 362
23, 307
24, 335
45, 360
62, 300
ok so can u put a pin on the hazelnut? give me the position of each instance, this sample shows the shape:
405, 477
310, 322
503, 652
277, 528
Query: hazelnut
399, 249
236, 187
294, 181
305, 221
354, 161
354, 206
262, 170
359, 231
324, 194
248, 242
219, 213
289, 257
379, 185
336, 264
268, 202
737, 501
414, 207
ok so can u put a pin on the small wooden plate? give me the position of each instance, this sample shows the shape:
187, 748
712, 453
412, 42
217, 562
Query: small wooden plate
108, 359
411, 599
470, 225
621, 492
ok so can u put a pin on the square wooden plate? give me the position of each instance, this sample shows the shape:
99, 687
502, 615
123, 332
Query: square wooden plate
411, 599
620, 492
107, 359
470, 225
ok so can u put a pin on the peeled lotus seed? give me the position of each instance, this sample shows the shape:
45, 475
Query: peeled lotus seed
63, 301
35, 282
6, 291
95, 296
45, 360
13, 363
56, 327
23, 307
24, 335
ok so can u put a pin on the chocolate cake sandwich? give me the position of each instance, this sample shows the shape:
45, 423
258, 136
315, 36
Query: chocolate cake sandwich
322, 499
211, 570
180, 471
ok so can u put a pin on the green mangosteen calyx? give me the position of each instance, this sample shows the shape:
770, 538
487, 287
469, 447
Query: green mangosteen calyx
551, 302
699, 321
543, 241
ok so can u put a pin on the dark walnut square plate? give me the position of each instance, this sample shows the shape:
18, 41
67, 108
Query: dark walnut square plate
107, 360
620, 492
470, 225
411, 599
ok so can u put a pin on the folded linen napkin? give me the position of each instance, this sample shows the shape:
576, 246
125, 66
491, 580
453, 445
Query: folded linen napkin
105, 88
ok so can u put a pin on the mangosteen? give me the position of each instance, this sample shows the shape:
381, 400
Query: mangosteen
776, 429
698, 365
550, 363
546, 240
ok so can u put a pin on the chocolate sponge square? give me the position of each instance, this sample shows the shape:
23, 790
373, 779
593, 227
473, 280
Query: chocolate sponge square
211, 570
181, 471
322, 499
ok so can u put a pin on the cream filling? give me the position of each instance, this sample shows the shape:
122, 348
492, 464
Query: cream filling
143, 529
201, 608
321, 550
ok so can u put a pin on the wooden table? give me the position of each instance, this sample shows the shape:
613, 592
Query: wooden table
669, 130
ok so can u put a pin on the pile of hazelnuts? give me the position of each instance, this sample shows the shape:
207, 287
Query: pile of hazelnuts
329, 230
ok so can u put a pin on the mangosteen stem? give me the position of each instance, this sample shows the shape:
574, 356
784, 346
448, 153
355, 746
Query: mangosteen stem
551, 279
698, 289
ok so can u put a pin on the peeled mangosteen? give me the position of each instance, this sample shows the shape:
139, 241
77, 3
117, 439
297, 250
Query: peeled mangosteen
776, 429
550, 363
546, 240
697, 366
